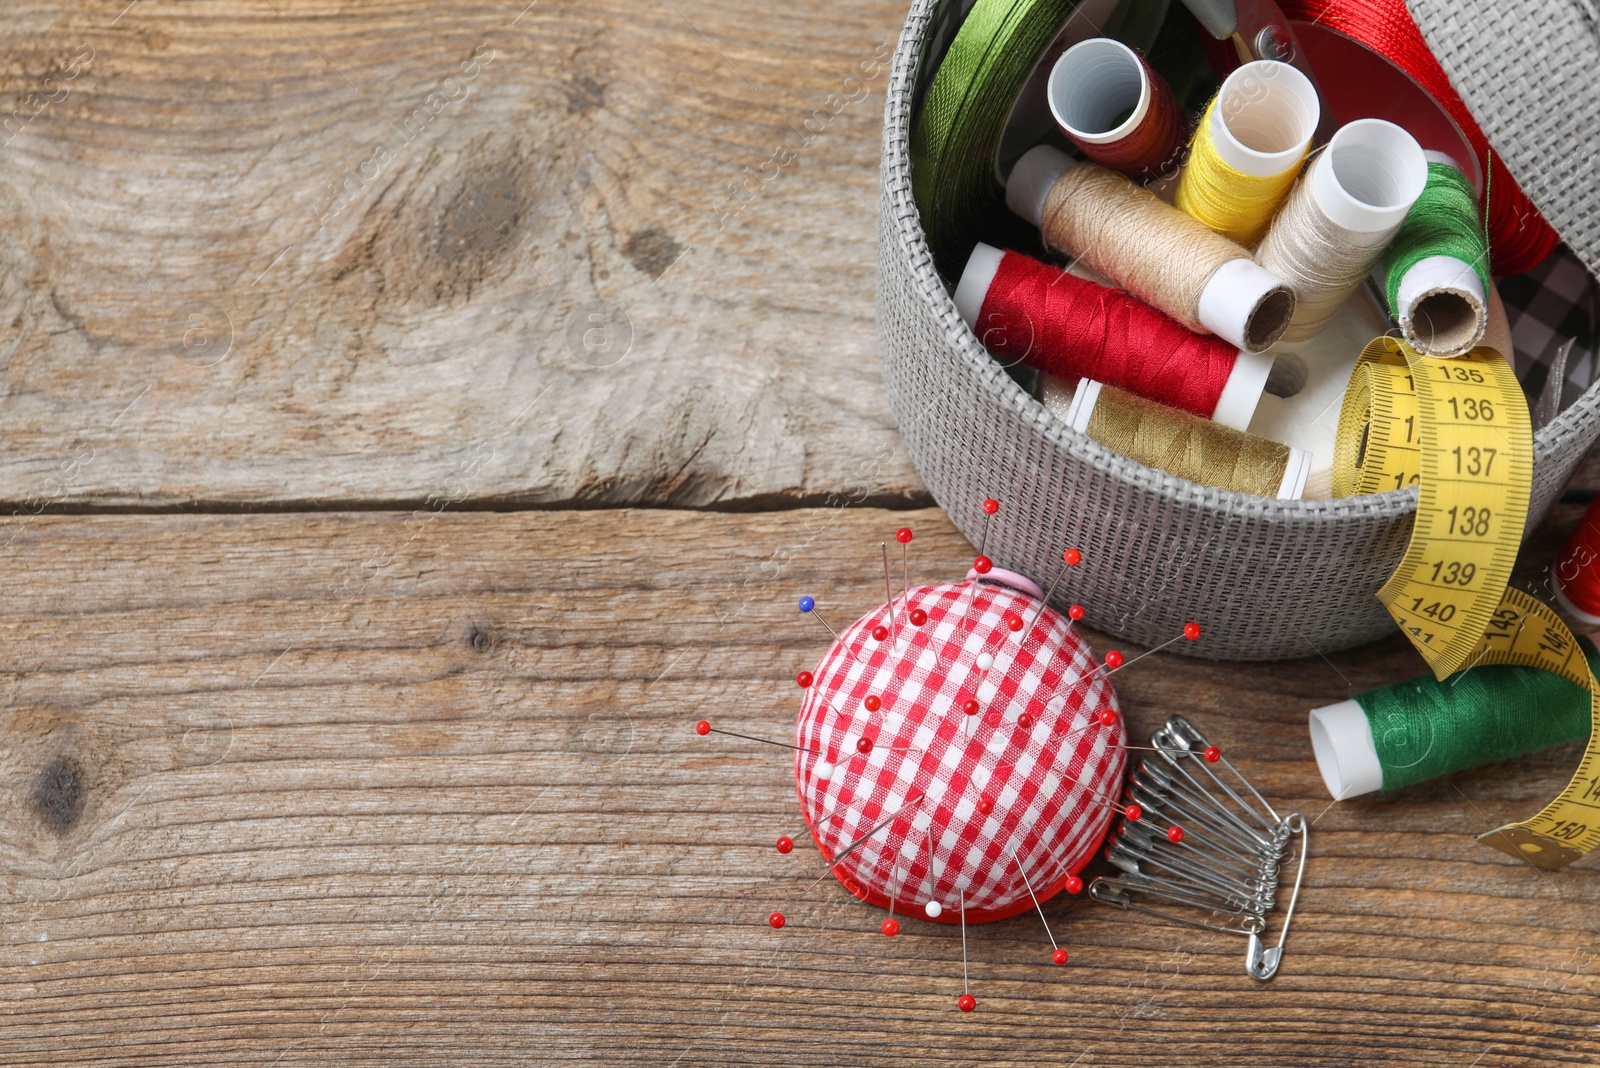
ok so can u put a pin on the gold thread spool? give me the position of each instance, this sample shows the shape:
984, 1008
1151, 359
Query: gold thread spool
1185, 445
1248, 149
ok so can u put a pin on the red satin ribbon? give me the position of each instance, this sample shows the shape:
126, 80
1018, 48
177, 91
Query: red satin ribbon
1518, 235
1063, 325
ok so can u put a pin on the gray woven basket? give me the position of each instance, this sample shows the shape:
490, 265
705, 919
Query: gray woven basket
1269, 579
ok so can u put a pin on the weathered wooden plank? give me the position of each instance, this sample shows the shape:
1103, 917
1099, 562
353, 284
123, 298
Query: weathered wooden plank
351, 788
311, 251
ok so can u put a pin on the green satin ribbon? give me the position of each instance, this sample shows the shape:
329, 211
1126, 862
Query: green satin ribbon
957, 136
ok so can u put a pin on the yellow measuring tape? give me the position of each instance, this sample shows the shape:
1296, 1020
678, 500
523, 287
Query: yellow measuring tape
1459, 430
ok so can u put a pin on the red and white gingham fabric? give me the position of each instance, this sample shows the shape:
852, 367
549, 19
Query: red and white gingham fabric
1050, 784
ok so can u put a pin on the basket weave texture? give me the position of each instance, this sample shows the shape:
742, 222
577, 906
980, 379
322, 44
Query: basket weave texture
1268, 579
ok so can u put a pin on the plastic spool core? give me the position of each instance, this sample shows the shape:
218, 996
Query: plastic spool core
1264, 117
1369, 176
1099, 91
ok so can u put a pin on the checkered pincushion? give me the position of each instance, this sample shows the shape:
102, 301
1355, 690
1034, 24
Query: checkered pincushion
1035, 776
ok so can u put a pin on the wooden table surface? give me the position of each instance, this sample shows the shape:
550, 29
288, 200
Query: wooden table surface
416, 416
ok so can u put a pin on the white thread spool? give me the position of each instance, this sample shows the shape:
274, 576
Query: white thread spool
1340, 218
1240, 394
1242, 303
1264, 118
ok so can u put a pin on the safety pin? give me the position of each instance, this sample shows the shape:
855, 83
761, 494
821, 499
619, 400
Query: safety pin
1220, 863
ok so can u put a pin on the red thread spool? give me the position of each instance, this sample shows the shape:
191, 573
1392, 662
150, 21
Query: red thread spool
1518, 234
1577, 573
1063, 325
1116, 110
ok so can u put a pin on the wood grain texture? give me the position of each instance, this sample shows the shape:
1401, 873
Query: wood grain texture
273, 253
363, 789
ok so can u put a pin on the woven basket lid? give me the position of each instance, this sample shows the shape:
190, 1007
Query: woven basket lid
1530, 73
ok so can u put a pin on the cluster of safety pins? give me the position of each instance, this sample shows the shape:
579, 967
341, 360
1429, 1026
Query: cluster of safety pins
1230, 857
1037, 789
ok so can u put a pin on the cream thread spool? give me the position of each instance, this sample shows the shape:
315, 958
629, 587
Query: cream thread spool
1340, 218
1157, 253
1248, 149
1265, 468
1440, 303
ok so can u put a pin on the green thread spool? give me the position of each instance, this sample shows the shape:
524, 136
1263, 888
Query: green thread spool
956, 140
1423, 729
1436, 270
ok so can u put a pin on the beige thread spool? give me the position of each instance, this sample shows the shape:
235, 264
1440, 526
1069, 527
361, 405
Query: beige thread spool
1157, 253
1179, 443
1340, 218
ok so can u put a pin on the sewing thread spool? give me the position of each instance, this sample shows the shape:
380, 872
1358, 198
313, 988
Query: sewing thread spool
1187, 446
1248, 148
1577, 570
1436, 271
1064, 325
1338, 221
1411, 732
1347, 38
1115, 109
1160, 255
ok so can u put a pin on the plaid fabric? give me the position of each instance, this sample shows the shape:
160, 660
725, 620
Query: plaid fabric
1554, 302
1049, 784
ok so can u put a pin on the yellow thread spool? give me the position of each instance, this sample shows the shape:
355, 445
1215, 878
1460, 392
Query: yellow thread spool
1248, 149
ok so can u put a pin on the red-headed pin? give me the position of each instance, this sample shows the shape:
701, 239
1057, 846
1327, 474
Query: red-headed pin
1212, 754
1074, 885
918, 617
1133, 812
985, 805
890, 927
1113, 660
903, 535
1174, 834
702, 728
777, 921
880, 633
983, 565
1191, 631
1106, 717
804, 679
1059, 956
1076, 613
966, 1002
873, 702
785, 845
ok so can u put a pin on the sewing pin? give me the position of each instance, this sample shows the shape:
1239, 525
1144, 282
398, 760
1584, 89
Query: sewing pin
1057, 954
703, 728
889, 596
1069, 559
808, 605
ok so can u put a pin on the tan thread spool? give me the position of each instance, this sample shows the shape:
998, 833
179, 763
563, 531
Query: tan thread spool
1179, 443
1151, 249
